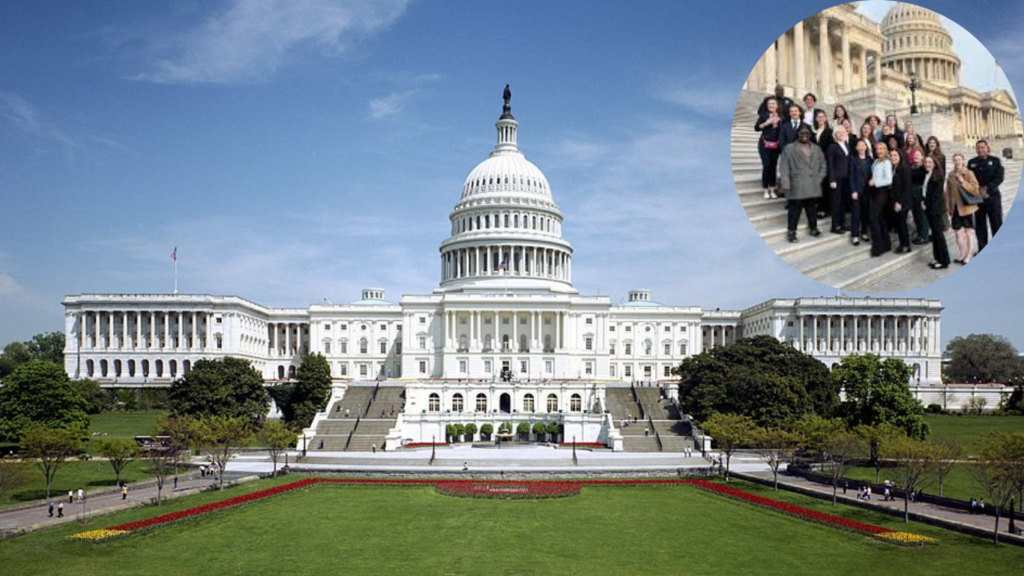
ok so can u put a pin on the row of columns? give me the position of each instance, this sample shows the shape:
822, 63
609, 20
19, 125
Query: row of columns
505, 220
132, 368
793, 61
124, 330
981, 123
719, 336
534, 330
934, 69
292, 347
896, 333
519, 261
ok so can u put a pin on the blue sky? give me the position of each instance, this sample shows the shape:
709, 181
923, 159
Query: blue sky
296, 151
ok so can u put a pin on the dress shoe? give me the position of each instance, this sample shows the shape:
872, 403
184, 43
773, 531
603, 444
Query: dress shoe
903, 250
815, 232
937, 266
855, 241
791, 236
837, 231
920, 241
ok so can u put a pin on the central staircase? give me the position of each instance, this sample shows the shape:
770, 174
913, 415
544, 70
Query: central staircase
360, 420
831, 258
660, 418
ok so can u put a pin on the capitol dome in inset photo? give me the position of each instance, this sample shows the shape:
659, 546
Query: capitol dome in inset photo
876, 147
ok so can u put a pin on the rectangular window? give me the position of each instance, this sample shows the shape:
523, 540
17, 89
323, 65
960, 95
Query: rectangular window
327, 326
462, 366
383, 326
611, 370
522, 366
628, 371
548, 367
668, 328
383, 347
629, 328
343, 327
343, 348
590, 321
611, 349
487, 321
611, 328
790, 322
327, 347
488, 366
588, 343
682, 349
343, 369
398, 348
629, 348
423, 366
588, 368
221, 321
423, 342
668, 371
423, 319
668, 349
363, 370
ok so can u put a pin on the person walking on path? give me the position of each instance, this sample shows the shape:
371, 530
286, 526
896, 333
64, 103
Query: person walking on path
71, 496
60, 510
124, 492
81, 496
49, 511
175, 482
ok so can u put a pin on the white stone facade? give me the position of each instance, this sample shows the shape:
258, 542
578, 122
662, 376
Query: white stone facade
505, 301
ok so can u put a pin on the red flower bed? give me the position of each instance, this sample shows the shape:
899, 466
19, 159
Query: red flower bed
792, 509
585, 444
508, 489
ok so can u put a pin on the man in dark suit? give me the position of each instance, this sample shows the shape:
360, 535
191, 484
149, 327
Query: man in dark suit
789, 128
989, 172
780, 97
838, 157
810, 100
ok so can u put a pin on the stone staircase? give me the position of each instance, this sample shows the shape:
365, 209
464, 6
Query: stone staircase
387, 397
664, 417
620, 403
831, 258
354, 433
355, 400
370, 432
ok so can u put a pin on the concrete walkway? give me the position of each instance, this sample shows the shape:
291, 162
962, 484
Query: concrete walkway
28, 517
955, 519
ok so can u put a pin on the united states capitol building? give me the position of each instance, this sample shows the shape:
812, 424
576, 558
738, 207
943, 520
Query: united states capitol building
505, 334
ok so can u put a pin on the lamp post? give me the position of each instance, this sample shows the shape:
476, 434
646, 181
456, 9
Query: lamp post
433, 448
913, 86
574, 460
303, 444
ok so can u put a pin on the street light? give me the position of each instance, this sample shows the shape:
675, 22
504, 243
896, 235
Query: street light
913, 86
433, 448
303, 444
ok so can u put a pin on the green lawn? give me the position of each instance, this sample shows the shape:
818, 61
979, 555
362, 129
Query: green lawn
413, 530
970, 429
72, 475
122, 425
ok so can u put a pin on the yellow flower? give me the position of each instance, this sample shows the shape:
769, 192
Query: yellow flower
98, 535
907, 538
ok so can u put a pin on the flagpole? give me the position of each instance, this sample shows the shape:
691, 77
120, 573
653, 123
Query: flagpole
175, 275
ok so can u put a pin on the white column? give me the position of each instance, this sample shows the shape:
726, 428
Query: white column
847, 61
167, 329
771, 72
825, 57
288, 339
798, 44
878, 69
195, 336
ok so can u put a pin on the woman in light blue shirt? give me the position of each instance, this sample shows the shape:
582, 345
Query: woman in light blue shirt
881, 180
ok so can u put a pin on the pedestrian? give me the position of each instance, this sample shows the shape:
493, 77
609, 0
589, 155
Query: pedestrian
846, 483
81, 495
60, 510
71, 497
321, 445
373, 448
175, 482
885, 496
465, 466
124, 492
647, 432
346, 412
867, 493
49, 511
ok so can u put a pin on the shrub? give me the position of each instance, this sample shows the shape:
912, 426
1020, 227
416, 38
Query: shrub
486, 430
470, 431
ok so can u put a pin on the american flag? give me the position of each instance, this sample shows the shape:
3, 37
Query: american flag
174, 255
503, 265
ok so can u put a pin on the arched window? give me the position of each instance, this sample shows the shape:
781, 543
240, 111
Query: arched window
547, 343
89, 368
505, 342
131, 368
457, 404
117, 368
173, 367
280, 372
434, 403
552, 403
186, 367
327, 346
159, 368
528, 405
145, 368
522, 343
463, 343
103, 368
362, 345
488, 340
481, 403
575, 403
291, 371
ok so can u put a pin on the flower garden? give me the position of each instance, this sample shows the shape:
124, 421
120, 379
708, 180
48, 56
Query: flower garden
511, 490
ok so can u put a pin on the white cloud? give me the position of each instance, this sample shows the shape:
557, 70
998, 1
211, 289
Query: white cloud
251, 39
715, 102
29, 119
391, 104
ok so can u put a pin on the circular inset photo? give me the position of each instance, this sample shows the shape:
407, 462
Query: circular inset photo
876, 146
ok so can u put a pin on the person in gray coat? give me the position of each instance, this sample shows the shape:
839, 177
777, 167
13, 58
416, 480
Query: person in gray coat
802, 169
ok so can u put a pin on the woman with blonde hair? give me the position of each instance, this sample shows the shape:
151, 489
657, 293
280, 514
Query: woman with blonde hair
962, 198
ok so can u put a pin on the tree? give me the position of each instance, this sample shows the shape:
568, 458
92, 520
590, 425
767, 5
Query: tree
277, 438
222, 437
772, 383
40, 392
840, 449
471, 431
877, 391
47, 347
981, 358
120, 452
228, 387
554, 429
946, 454
460, 431
729, 431
523, 429
176, 433
996, 470
50, 447
15, 354
975, 406
775, 445
816, 432
312, 389
1014, 403
539, 430
13, 475
160, 463
96, 399
915, 462
878, 439
486, 430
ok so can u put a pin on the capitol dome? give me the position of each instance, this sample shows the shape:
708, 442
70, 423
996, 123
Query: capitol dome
506, 229
917, 42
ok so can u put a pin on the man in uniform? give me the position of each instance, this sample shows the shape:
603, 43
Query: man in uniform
781, 98
989, 172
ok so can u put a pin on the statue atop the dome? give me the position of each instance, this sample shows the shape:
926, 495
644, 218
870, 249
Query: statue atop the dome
506, 110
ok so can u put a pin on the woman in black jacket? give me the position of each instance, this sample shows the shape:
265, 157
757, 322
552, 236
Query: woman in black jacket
860, 196
901, 197
821, 134
934, 207
768, 146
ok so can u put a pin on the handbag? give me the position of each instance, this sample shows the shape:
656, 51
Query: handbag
770, 145
970, 199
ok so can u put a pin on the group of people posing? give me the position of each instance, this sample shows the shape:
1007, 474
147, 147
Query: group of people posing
878, 174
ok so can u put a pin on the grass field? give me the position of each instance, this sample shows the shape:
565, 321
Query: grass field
969, 429
73, 475
122, 425
414, 530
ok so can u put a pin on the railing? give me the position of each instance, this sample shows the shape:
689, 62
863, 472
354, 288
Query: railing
350, 433
657, 436
373, 396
